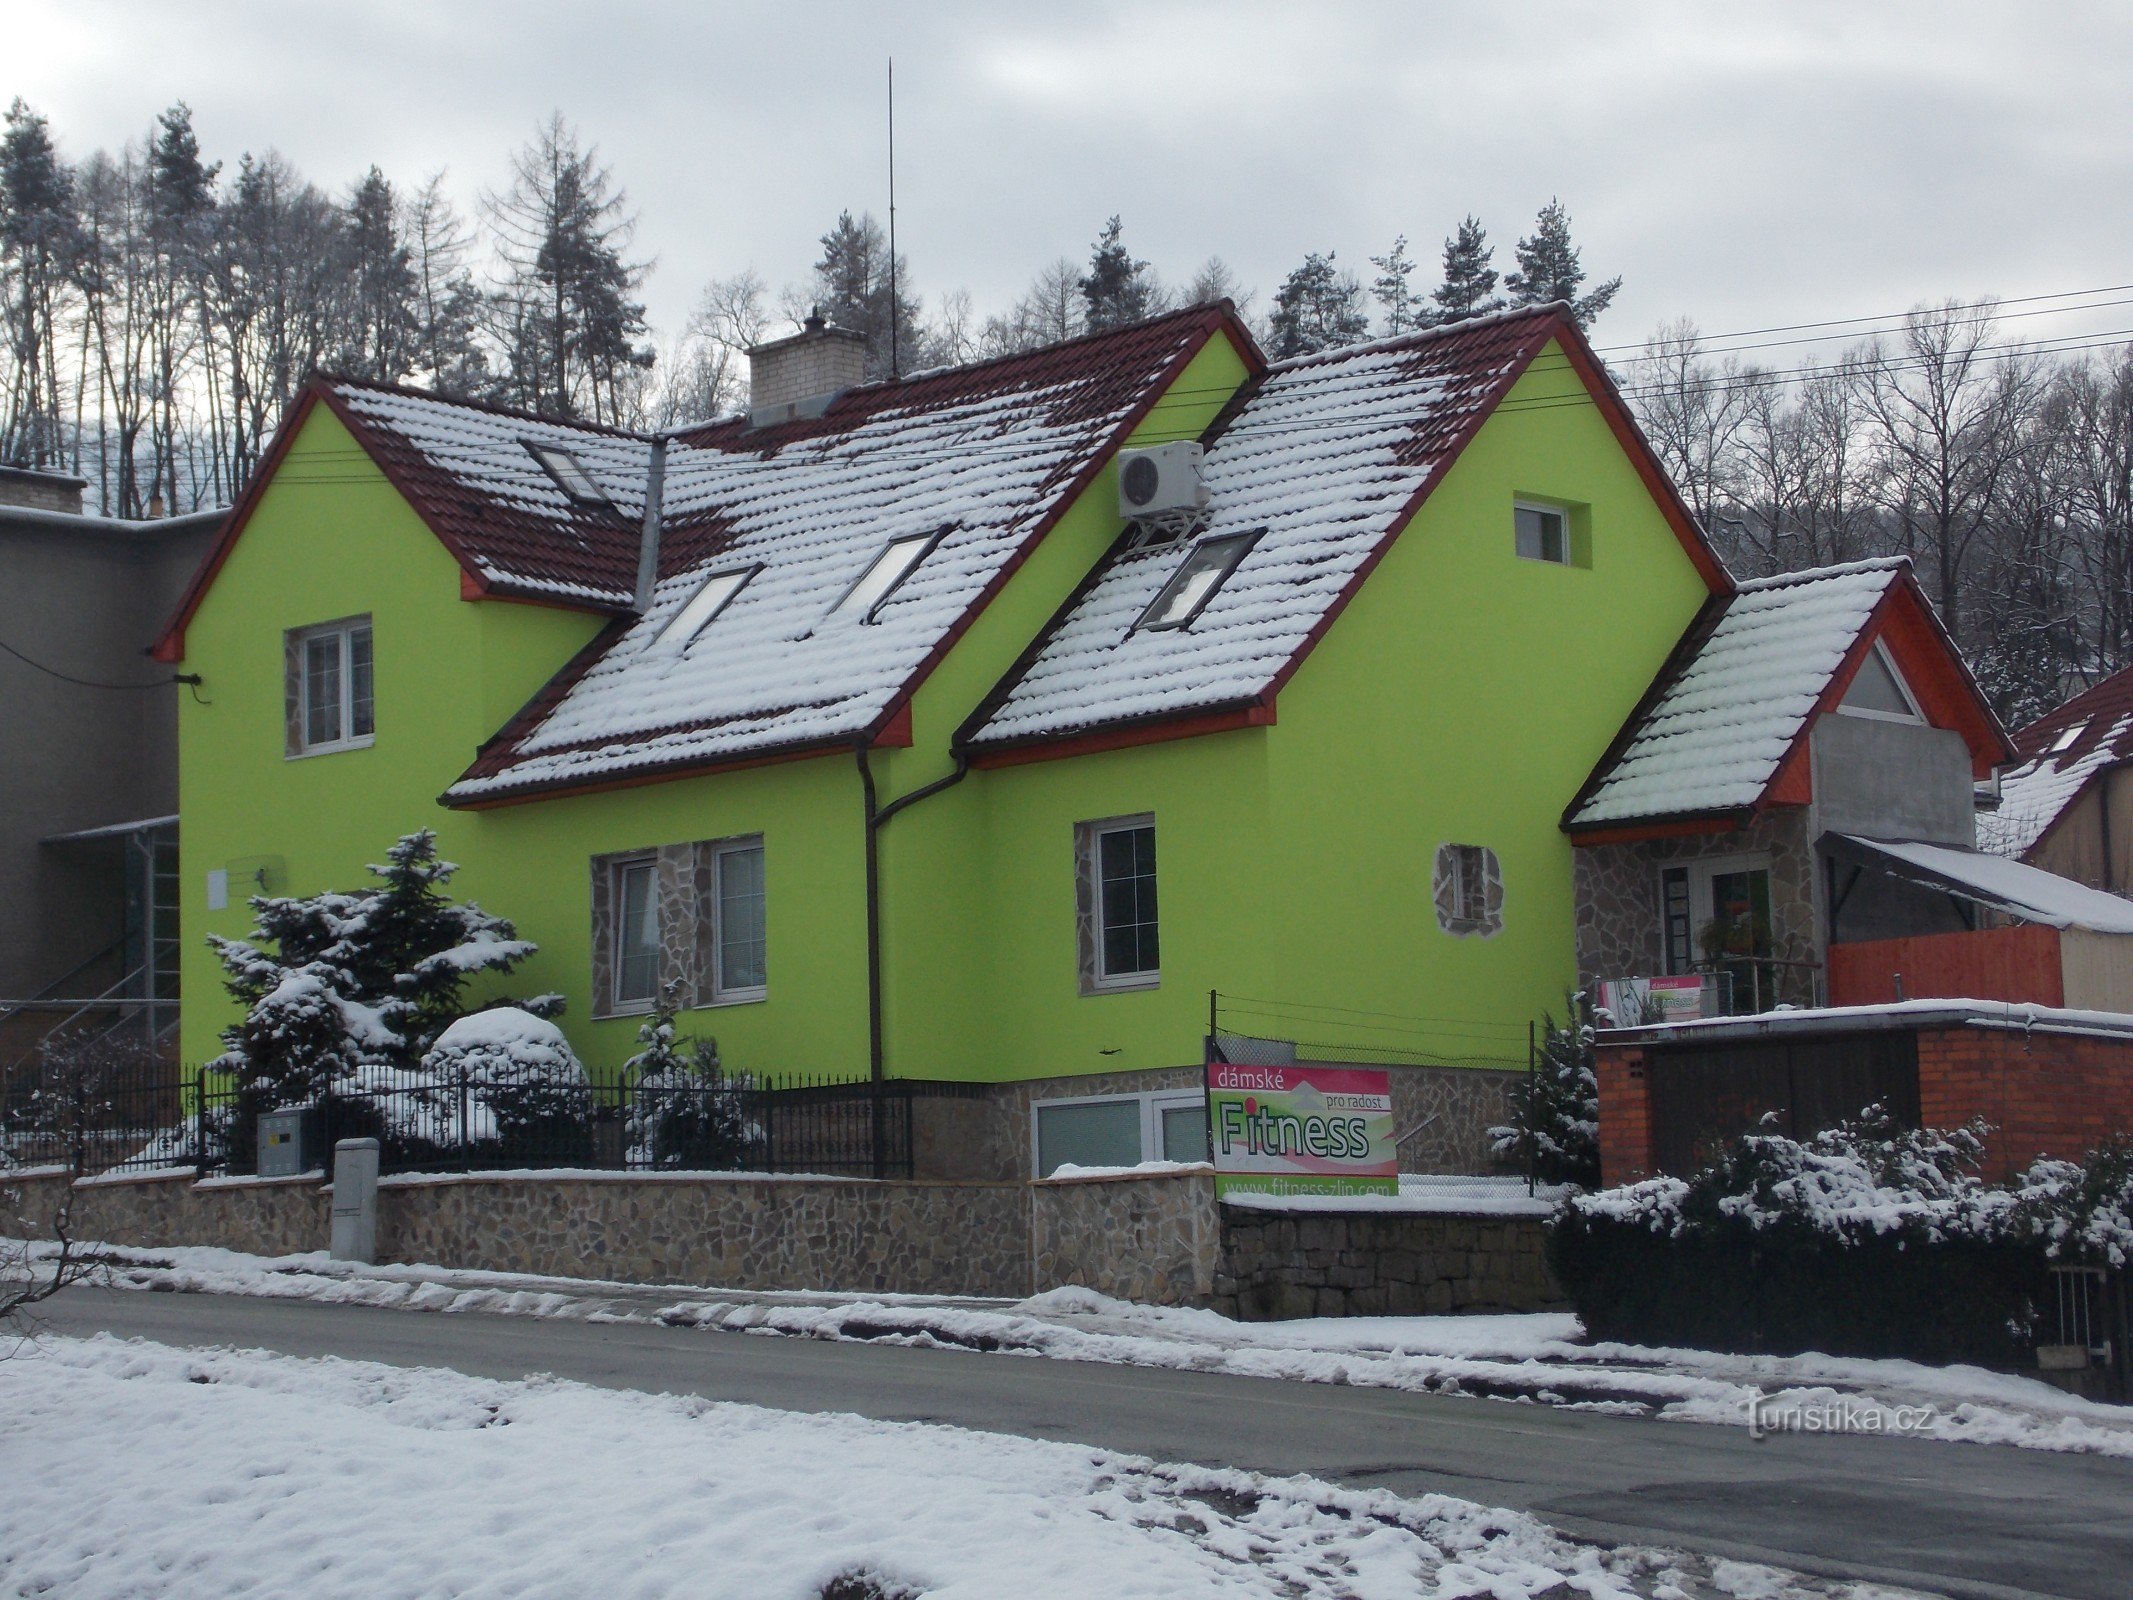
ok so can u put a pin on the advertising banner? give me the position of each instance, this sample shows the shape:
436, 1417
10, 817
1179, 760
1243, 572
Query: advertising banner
1639, 1002
1301, 1129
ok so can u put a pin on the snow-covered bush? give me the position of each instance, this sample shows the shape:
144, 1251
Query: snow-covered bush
525, 1087
1867, 1239
342, 988
2082, 1212
1557, 1109
683, 1111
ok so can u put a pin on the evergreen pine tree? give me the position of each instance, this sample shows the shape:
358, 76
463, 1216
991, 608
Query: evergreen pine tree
1549, 270
852, 282
1117, 290
384, 314
1317, 308
683, 1113
1558, 1106
1469, 286
1403, 314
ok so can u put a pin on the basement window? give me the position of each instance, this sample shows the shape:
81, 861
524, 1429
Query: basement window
715, 594
1203, 572
880, 580
569, 474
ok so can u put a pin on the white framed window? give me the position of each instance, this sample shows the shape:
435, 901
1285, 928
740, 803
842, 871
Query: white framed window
1878, 690
330, 694
1467, 887
881, 578
1118, 929
633, 939
739, 966
1204, 570
1715, 912
1118, 1130
1541, 532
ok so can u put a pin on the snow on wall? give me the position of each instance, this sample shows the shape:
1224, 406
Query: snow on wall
1720, 730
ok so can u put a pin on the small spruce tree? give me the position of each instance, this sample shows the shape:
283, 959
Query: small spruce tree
1549, 269
1317, 308
1117, 291
683, 1111
1403, 311
1469, 286
1557, 1108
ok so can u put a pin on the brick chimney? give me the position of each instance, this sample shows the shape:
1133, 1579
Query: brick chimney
799, 376
40, 490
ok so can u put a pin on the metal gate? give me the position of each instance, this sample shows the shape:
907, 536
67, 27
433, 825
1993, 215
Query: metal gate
1703, 1095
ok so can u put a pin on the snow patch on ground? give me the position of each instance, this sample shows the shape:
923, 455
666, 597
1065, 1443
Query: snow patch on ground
1534, 1359
165, 1471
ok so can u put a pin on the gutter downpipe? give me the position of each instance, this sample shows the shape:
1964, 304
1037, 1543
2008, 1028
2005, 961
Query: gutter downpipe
877, 817
655, 482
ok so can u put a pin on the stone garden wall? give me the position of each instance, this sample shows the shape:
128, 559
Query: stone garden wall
1320, 1263
1156, 1238
1150, 1239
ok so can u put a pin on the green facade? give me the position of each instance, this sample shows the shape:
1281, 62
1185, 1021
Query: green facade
1462, 696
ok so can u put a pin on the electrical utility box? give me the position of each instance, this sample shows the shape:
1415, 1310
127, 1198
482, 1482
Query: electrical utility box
285, 1144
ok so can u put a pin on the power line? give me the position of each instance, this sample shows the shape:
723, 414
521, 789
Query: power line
83, 683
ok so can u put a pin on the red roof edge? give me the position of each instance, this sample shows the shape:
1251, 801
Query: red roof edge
1220, 317
170, 643
1253, 713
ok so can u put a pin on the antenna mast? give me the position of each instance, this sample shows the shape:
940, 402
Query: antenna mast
895, 307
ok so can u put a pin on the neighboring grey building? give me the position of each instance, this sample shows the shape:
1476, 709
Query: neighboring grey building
88, 775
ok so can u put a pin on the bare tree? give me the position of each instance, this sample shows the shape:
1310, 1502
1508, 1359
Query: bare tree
1693, 408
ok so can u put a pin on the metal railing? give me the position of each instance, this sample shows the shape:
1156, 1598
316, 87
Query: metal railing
146, 1115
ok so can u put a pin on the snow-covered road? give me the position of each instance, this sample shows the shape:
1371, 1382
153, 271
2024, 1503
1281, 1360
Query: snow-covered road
165, 1472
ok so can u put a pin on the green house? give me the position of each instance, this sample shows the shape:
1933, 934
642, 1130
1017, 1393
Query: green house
882, 723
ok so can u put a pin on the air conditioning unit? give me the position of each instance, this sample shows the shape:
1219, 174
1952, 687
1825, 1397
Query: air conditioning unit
1162, 481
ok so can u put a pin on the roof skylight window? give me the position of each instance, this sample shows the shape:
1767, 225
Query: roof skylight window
2066, 737
716, 594
569, 474
1204, 571
890, 568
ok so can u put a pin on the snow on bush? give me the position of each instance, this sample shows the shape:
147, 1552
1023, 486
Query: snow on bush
516, 1066
2082, 1211
683, 1111
1558, 1107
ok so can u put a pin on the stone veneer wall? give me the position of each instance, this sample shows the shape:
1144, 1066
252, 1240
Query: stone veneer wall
1443, 1115
1150, 1239
1379, 1263
1617, 892
738, 1233
261, 1216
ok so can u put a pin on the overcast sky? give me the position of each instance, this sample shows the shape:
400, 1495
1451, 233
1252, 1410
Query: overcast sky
1743, 165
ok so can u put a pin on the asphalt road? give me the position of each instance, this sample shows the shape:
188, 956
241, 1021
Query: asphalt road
1963, 1520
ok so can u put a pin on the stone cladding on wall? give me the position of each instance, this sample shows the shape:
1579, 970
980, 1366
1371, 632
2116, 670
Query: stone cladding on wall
1617, 900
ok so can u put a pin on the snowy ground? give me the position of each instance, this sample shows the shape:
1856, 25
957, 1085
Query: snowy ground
1536, 1359
231, 1473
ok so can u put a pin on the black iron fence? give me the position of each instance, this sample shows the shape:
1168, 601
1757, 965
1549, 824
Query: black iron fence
147, 1115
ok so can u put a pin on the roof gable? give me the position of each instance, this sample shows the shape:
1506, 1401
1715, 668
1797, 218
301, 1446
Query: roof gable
1723, 730
980, 461
2059, 755
1322, 463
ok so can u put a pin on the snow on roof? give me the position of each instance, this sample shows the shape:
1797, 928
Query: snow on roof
2024, 891
979, 459
1734, 706
2061, 751
468, 472
1324, 461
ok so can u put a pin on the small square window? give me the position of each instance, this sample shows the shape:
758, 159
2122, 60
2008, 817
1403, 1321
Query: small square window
328, 693
1116, 901
1468, 890
1543, 533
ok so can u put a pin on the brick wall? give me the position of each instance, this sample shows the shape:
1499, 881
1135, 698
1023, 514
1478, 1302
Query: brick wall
2042, 1093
